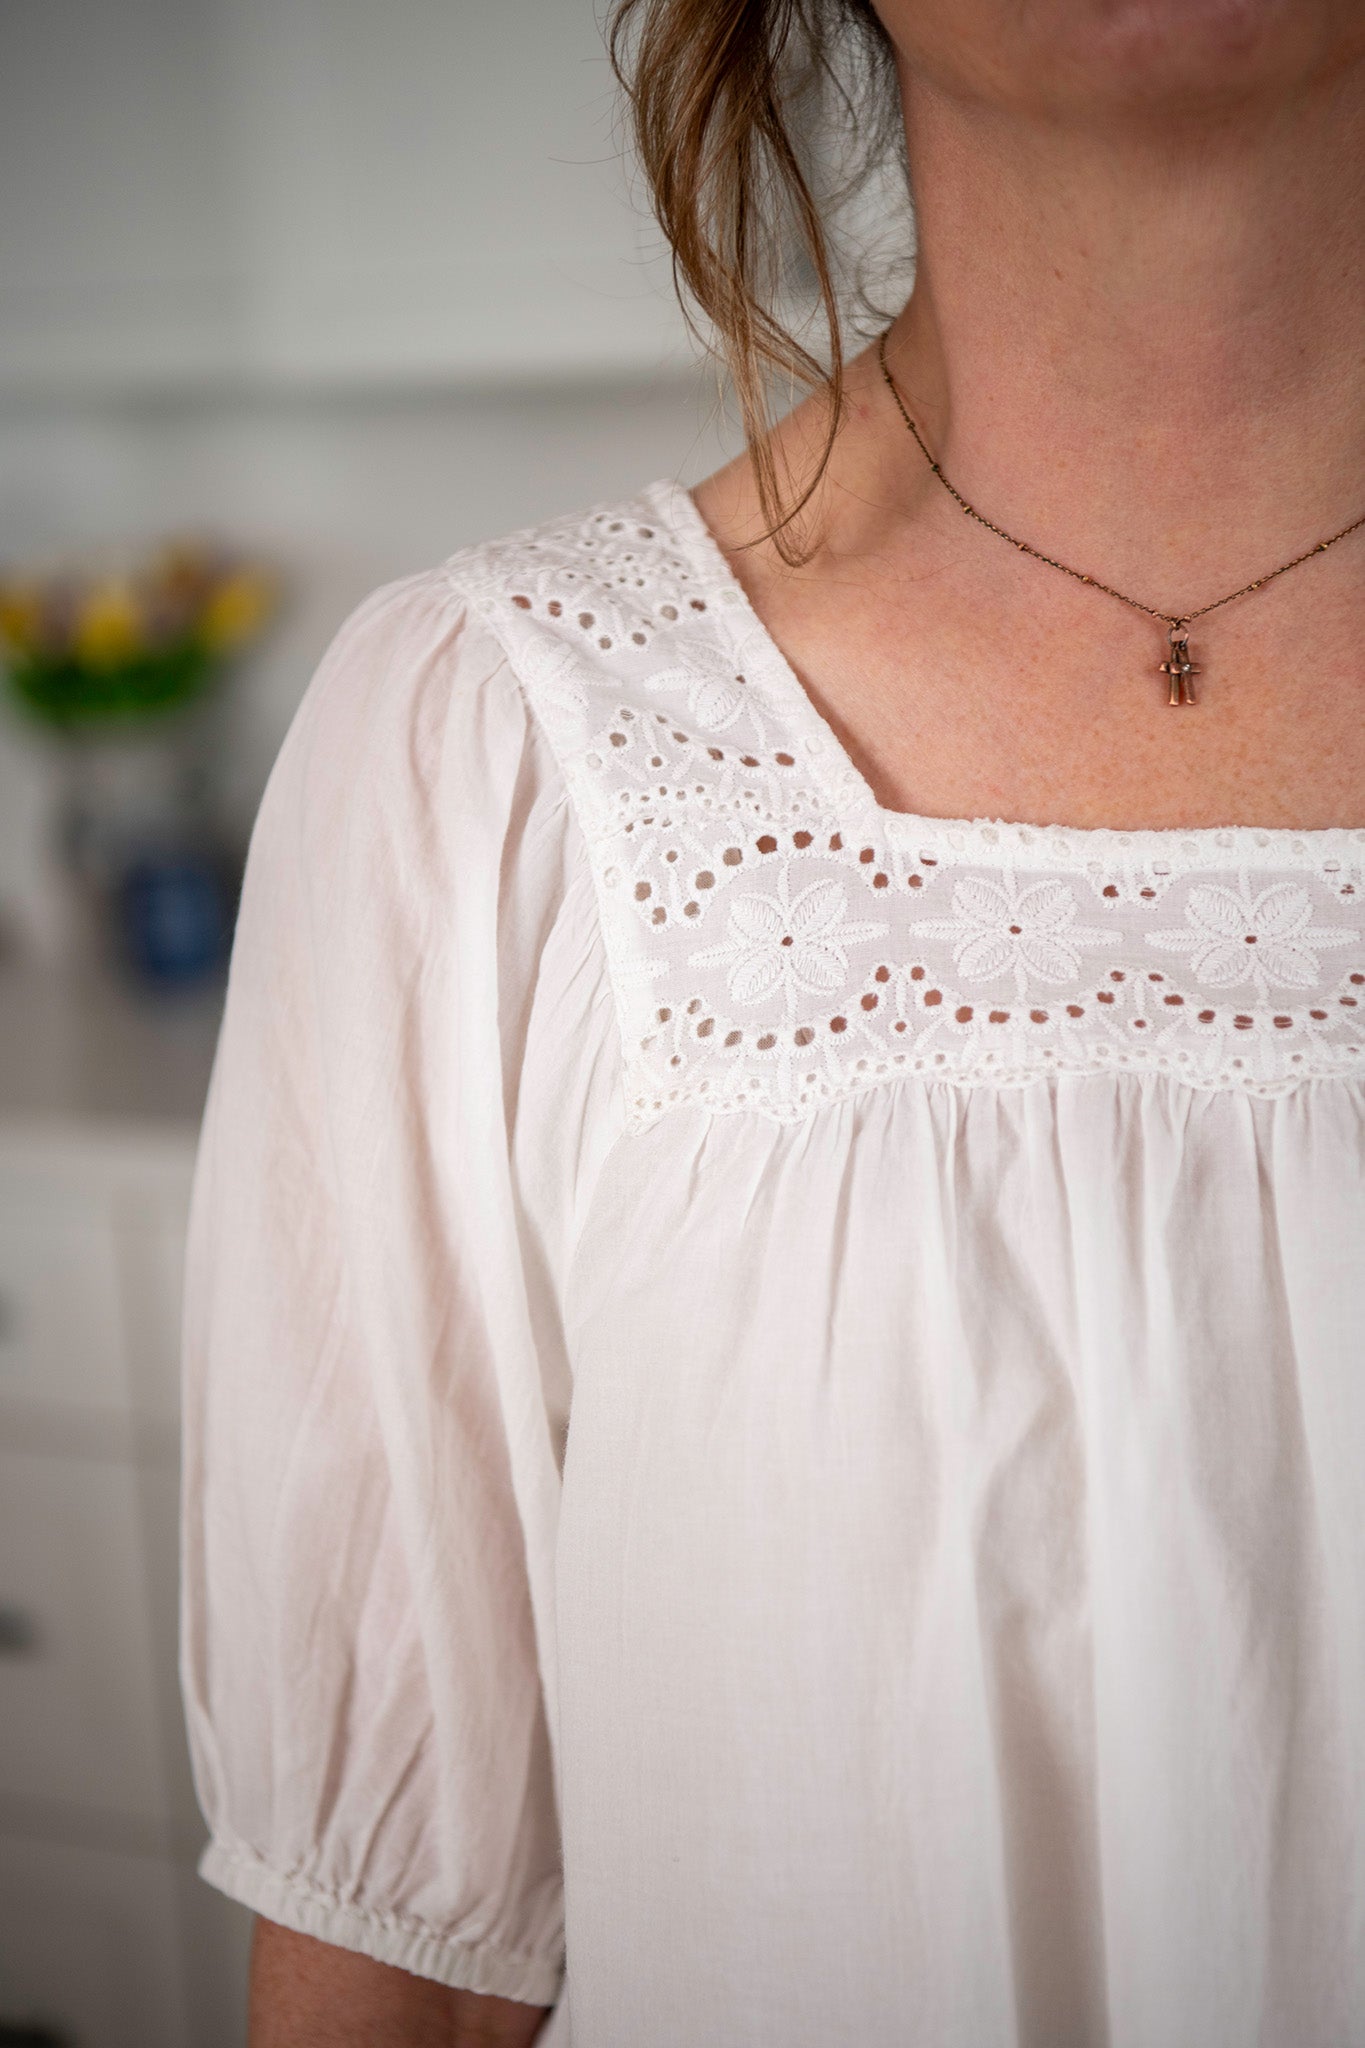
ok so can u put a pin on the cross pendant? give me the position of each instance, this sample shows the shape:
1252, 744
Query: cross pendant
1179, 667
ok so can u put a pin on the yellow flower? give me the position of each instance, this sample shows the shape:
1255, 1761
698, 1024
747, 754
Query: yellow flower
21, 617
236, 611
109, 627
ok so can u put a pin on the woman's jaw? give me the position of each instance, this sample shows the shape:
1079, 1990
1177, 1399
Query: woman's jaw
1088, 62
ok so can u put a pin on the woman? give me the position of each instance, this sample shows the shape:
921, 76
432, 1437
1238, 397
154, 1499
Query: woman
776, 1305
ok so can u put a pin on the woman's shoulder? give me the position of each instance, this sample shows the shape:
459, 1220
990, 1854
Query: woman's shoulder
624, 551
592, 595
454, 706
507, 707
556, 614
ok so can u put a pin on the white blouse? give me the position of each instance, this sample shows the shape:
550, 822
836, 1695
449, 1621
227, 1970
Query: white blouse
775, 1390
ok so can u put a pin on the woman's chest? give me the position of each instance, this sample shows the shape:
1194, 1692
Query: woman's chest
941, 1471
960, 696
873, 1332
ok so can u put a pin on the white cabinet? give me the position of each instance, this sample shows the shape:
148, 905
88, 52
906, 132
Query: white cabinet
58, 1344
77, 1698
304, 192
107, 1935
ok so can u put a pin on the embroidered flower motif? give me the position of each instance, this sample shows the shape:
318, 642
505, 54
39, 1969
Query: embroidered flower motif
612, 617
713, 688
798, 942
999, 928
1268, 939
560, 673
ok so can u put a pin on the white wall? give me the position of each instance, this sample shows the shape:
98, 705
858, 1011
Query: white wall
309, 191
350, 283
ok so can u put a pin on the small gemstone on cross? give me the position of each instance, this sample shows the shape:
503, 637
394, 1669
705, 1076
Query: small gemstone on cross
1179, 667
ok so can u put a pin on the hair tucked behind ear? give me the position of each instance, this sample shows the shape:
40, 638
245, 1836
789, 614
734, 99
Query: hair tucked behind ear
714, 88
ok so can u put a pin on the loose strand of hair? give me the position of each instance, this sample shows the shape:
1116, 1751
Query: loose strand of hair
707, 92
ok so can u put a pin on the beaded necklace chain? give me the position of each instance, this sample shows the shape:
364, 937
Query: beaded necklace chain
1178, 666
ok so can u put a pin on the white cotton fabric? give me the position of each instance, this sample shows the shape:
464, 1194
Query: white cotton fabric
807, 1448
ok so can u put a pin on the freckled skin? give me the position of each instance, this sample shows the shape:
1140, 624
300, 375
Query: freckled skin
1132, 342
309, 1994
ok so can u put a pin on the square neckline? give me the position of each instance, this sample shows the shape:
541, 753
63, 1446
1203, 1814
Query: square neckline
995, 839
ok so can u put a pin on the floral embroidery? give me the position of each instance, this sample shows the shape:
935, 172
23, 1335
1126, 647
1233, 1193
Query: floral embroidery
802, 942
1268, 939
999, 928
713, 689
775, 941
559, 675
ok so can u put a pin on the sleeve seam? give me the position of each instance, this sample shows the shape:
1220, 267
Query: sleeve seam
576, 800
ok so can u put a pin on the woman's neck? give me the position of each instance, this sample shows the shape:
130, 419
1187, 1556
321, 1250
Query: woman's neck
1140, 350
1142, 345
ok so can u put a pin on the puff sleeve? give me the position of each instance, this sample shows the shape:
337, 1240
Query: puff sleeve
374, 1388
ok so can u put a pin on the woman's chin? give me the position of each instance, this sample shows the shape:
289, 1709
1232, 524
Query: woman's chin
1209, 52
1104, 59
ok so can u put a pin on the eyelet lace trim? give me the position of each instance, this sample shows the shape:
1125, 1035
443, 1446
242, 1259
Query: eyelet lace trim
776, 941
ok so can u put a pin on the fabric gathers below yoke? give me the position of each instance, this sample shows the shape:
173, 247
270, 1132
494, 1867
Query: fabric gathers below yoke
775, 1391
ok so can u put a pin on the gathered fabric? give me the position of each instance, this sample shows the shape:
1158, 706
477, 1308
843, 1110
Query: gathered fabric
775, 1390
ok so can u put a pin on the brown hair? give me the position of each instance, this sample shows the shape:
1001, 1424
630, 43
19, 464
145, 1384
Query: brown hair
722, 93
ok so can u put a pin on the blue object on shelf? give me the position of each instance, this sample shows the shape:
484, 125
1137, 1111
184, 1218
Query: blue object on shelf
174, 916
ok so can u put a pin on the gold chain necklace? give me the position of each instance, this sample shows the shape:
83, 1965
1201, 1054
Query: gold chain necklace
1177, 665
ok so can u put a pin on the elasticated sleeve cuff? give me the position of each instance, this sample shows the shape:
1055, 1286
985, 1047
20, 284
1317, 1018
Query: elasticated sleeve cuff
296, 1903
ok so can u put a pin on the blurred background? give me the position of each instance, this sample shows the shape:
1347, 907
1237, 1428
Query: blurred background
295, 296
